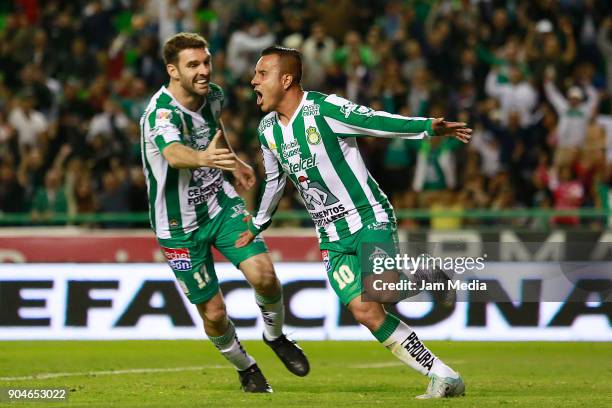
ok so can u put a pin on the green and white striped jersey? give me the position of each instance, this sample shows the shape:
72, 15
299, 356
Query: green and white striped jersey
181, 200
318, 151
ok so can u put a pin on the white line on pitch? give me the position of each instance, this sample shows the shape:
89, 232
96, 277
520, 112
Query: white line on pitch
45, 376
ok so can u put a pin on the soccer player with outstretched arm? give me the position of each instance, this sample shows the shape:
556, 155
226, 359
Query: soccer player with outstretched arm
193, 207
310, 138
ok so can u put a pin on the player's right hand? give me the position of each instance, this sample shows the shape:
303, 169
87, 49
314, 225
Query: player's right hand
217, 158
245, 237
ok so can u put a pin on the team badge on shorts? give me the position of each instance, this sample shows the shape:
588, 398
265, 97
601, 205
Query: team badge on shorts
178, 258
326, 263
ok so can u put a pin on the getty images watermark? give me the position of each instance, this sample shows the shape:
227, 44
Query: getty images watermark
425, 272
501, 272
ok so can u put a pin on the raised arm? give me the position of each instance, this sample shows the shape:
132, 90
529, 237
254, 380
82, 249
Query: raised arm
554, 97
592, 100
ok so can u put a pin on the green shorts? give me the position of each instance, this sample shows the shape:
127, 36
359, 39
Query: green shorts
191, 257
342, 259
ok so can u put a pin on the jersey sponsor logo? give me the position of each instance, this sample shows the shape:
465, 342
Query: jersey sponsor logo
320, 202
178, 258
197, 195
312, 136
351, 107
290, 149
266, 123
326, 262
329, 215
418, 351
203, 176
163, 115
314, 194
311, 110
302, 165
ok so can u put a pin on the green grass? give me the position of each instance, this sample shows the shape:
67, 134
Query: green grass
343, 374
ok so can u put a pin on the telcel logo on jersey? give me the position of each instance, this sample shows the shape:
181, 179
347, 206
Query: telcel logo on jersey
178, 258
302, 165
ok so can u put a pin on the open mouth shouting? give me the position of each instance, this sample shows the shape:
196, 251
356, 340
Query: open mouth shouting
259, 97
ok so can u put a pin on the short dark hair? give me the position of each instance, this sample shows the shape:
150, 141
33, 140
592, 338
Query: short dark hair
179, 42
291, 60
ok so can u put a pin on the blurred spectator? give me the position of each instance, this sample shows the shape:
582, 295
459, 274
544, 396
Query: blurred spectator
51, 199
174, 16
115, 194
435, 166
574, 115
12, 192
318, 51
568, 193
446, 202
244, 47
517, 95
110, 125
30, 124
604, 41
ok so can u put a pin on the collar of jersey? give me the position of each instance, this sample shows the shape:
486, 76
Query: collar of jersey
297, 111
192, 113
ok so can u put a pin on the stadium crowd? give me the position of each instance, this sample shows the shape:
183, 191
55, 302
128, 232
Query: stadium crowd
532, 77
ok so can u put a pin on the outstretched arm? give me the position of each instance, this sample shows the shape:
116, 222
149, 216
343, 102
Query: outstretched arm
349, 119
180, 156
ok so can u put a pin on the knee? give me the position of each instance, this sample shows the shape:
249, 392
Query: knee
214, 314
369, 314
265, 280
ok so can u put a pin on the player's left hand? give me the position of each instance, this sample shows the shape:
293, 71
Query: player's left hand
458, 130
244, 174
245, 237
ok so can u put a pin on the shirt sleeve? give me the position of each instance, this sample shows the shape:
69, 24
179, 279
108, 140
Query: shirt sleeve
166, 127
348, 119
272, 191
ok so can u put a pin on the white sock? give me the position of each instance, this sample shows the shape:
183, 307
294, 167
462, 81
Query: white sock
273, 313
229, 345
406, 346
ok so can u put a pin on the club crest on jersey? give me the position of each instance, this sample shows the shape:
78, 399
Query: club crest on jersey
326, 263
312, 136
178, 258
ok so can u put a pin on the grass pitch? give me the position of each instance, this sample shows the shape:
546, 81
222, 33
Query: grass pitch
343, 374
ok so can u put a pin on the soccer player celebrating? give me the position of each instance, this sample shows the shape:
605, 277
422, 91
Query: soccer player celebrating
193, 207
353, 210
